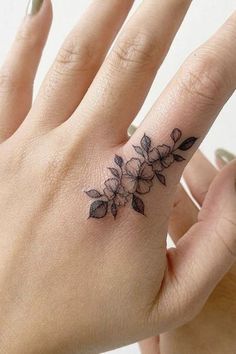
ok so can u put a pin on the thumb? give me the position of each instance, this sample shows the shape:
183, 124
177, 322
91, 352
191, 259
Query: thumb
202, 256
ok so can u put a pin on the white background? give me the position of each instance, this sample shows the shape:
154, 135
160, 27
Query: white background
204, 17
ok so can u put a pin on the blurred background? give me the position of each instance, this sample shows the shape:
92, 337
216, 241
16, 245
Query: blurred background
203, 19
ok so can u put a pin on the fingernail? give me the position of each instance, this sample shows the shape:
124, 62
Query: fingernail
33, 7
132, 129
224, 156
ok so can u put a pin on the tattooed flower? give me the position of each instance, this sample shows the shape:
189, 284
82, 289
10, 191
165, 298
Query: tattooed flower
161, 157
114, 191
138, 177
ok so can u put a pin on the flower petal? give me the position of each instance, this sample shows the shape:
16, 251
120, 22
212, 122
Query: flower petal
157, 166
146, 171
122, 191
129, 183
164, 150
168, 160
154, 155
144, 186
112, 184
132, 167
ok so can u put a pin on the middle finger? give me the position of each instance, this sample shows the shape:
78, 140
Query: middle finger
119, 90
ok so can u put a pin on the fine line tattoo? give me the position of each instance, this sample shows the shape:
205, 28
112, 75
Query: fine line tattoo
135, 177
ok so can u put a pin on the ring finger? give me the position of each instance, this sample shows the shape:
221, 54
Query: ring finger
77, 63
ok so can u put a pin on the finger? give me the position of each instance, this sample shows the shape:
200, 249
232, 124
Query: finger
223, 157
183, 215
18, 73
119, 90
150, 345
194, 98
199, 175
78, 62
203, 256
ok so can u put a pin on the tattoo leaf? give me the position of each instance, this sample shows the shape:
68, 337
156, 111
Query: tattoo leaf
138, 204
119, 161
176, 135
146, 143
98, 209
114, 209
161, 178
139, 150
187, 144
178, 158
114, 172
93, 193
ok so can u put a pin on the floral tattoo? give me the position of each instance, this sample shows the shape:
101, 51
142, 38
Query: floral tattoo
135, 177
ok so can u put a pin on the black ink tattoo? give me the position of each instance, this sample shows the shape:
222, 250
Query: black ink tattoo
135, 177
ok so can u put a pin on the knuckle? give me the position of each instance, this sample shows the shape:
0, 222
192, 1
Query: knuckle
138, 52
188, 303
74, 57
15, 161
10, 83
204, 78
53, 170
29, 38
225, 230
7, 82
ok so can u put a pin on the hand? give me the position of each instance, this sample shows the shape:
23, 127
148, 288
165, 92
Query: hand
81, 268
218, 316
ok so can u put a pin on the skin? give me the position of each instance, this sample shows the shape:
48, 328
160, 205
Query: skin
218, 316
70, 284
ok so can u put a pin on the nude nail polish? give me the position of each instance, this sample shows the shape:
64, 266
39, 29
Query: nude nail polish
34, 7
132, 129
224, 156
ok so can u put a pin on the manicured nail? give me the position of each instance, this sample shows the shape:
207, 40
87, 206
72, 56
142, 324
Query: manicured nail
132, 129
224, 156
33, 7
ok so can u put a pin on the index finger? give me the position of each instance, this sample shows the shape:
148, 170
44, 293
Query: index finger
194, 98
